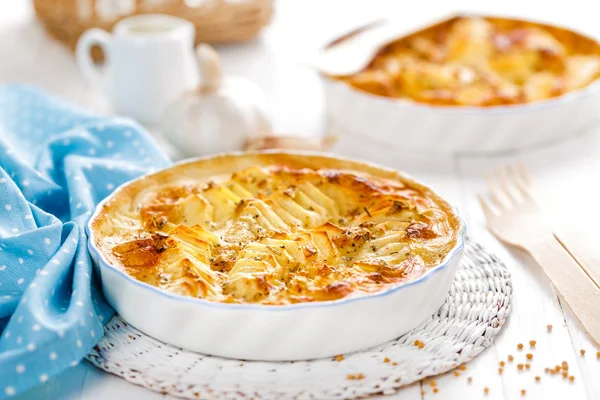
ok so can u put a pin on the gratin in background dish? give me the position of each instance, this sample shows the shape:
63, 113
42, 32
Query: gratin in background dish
438, 129
274, 333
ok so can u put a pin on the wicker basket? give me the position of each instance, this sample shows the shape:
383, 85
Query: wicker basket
216, 21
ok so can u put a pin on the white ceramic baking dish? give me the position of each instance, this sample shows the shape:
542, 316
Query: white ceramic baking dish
275, 333
458, 129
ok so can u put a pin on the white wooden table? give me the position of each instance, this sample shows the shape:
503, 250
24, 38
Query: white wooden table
569, 173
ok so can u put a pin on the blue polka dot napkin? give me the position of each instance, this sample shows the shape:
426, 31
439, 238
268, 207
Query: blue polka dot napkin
56, 163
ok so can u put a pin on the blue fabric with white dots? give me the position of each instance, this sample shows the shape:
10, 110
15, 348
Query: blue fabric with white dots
56, 163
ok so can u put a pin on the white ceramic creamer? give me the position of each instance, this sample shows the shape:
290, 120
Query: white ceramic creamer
149, 62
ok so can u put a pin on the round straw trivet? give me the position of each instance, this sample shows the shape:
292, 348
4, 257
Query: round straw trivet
474, 312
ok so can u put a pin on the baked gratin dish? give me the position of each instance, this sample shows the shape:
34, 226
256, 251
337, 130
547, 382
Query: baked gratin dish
482, 61
275, 229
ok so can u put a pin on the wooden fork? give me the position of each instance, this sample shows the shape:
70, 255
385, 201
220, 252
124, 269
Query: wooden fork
581, 253
515, 219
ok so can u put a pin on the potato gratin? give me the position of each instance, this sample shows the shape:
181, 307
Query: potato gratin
474, 61
275, 229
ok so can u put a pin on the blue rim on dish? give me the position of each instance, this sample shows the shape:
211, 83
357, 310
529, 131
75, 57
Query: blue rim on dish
99, 259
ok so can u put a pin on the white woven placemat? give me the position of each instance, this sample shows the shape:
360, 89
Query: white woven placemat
474, 312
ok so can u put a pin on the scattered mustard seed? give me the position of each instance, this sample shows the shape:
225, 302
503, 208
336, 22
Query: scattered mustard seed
469, 379
549, 328
432, 383
532, 343
360, 376
435, 390
582, 352
510, 357
350, 377
502, 363
598, 354
523, 392
394, 363
486, 390
500, 370
529, 356
423, 393
456, 373
537, 378
565, 374
339, 358
520, 367
462, 367
386, 360
520, 346
527, 366
571, 378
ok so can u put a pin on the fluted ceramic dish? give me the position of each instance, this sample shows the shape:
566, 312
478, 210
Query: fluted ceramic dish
275, 333
435, 129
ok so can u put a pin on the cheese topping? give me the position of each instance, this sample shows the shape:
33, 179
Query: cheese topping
277, 234
474, 61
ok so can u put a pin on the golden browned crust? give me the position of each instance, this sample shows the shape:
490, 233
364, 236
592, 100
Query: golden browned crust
482, 61
275, 228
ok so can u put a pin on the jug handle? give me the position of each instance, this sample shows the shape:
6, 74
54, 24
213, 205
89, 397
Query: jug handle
210, 67
90, 38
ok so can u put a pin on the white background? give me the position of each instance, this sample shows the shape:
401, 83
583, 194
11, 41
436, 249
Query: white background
567, 174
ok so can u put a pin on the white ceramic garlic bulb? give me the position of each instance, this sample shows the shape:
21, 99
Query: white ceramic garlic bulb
224, 114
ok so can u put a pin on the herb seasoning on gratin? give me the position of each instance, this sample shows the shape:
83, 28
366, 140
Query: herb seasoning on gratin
277, 233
